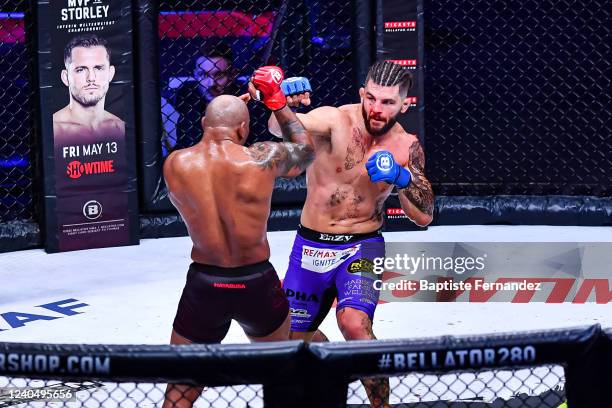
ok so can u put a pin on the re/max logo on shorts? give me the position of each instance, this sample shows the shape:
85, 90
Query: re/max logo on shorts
323, 259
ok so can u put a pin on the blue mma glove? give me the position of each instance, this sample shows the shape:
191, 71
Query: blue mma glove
382, 166
295, 85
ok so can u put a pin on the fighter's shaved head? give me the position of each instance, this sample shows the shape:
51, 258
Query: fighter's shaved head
226, 111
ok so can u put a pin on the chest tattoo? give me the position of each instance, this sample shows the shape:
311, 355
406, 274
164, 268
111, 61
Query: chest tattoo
337, 197
355, 150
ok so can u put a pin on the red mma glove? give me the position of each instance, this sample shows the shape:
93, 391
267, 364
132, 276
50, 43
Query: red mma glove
267, 80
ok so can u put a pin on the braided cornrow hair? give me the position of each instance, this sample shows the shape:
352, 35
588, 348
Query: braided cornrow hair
386, 73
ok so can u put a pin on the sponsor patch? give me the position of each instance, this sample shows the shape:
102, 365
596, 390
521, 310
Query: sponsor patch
361, 265
303, 313
324, 259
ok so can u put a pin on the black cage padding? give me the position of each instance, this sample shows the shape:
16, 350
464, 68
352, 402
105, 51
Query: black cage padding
523, 210
493, 210
310, 368
148, 106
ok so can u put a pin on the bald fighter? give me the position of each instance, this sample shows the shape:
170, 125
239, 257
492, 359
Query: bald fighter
361, 155
223, 191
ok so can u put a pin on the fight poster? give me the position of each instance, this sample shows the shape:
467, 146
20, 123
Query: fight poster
87, 123
400, 39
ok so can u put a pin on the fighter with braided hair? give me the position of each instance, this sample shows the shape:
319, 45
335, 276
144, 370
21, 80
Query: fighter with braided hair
361, 155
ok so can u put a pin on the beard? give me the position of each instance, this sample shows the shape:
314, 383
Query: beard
377, 132
87, 100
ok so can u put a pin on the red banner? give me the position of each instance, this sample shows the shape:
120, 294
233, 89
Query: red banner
214, 24
11, 29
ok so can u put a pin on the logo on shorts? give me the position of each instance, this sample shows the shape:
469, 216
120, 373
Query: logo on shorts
303, 296
384, 162
229, 285
324, 259
92, 210
361, 289
299, 313
361, 265
335, 237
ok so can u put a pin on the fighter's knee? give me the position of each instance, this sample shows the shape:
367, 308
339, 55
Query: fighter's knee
355, 325
352, 330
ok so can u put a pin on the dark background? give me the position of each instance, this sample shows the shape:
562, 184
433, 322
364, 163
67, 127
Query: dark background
516, 94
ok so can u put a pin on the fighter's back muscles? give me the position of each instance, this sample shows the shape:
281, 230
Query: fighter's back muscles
222, 191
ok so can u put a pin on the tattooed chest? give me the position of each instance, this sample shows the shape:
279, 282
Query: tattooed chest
345, 202
355, 150
346, 199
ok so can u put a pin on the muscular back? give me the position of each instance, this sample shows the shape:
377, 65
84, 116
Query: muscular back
223, 192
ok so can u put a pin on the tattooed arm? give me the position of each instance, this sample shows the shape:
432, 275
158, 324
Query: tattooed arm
284, 159
291, 128
417, 199
319, 122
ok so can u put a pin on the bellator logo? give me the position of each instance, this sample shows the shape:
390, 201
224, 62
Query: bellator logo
400, 26
395, 213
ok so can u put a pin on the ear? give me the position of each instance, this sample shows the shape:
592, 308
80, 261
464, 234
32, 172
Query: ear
405, 104
243, 131
111, 70
202, 122
361, 93
65, 77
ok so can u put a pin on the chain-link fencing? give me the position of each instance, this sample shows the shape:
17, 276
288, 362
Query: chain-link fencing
209, 47
541, 387
90, 394
518, 97
531, 369
16, 112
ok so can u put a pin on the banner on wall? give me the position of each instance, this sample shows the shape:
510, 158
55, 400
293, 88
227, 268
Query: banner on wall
400, 39
400, 42
87, 118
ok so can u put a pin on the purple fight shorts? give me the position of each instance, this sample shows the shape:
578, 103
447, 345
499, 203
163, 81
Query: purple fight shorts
324, 266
